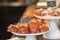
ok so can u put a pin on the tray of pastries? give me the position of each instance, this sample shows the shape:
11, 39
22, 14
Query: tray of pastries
49, 13
33, 27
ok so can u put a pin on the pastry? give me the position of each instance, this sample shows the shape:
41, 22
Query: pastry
33, 27
43, 28
44, 13
12, 28
23, 30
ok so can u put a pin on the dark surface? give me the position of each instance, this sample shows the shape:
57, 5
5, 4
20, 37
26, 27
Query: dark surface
1, 0
9, 15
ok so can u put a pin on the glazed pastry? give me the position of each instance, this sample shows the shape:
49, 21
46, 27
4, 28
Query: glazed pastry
12, 28
39, 21
33, 20
43, 28
46, 21
51, 10
38, 11
33, 27
25, 25
44, 13
19, 30
57, 12
23, 30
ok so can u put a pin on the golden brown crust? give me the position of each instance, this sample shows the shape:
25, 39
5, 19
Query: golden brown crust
29, 11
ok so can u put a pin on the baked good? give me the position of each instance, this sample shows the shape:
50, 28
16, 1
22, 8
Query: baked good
43, 28
49, 11
33, 27
23, 30
12, 28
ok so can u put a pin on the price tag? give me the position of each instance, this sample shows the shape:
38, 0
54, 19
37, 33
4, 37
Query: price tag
51, 3
26, 19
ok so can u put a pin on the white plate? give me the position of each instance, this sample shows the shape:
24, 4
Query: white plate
47, 17
31, 34
28, 34
17, 34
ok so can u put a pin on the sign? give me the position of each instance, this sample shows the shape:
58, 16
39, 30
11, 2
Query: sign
26, 19
51, 3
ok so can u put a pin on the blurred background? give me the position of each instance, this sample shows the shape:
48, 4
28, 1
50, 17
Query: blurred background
11, 11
